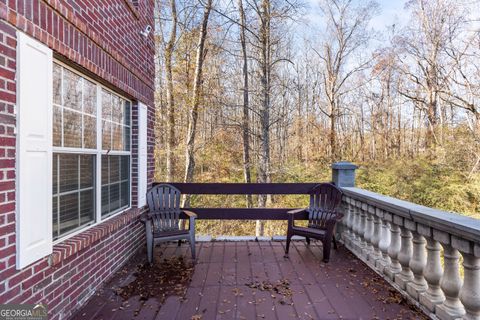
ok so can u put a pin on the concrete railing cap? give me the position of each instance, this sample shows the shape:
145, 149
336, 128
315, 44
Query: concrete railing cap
344, 165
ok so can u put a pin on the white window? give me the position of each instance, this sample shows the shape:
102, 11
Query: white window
91, 152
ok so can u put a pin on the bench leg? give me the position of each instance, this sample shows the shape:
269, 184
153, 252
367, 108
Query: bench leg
308, 240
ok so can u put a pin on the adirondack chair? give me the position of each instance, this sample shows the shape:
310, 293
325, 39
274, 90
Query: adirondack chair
322, 217
162, 219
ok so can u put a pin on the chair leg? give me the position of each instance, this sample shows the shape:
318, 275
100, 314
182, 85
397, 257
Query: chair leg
149, 236
308, 240
335, 243
326, 250
287, 247
192, 246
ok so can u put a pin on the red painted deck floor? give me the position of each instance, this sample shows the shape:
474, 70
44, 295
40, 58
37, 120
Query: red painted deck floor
221, 287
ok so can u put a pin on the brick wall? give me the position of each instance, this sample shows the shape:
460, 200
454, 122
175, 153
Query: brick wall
102, 39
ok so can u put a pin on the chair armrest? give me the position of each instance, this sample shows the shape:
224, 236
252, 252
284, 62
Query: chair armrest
145, 216
190, 214
330, 223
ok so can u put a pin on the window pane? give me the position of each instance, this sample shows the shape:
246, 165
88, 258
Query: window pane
117, 115
87, 171
105, 202
115, 183
89, 97
87, 205
117, 141
105, 170
54, 174
68, 212
55, 217
73, 207
72, 129
106, 135
125, 168
68, 172
72, 93
57, 126
125, 192
114, 197
57, 84
126, 107
106, 105
89, 132
114, 169
126, 138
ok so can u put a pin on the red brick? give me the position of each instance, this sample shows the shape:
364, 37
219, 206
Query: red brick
19, 277
9, 294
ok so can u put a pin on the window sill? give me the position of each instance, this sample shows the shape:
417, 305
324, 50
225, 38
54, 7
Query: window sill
88, 237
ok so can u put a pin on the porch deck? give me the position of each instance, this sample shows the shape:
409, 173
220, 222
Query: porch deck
345, 288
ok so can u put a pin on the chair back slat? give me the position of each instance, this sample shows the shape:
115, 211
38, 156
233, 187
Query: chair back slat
324, 200
164, 204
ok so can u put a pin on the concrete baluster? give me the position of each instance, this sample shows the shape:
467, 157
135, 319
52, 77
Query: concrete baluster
451, 283
417, 265
394, 248
404, 256
384, 244
433, 272
377, 229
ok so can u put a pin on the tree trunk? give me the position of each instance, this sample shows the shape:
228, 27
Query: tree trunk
193, 114
170, 96
264, 112
245, 118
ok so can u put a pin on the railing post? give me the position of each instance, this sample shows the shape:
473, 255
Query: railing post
404, 256
343, 174
451, 282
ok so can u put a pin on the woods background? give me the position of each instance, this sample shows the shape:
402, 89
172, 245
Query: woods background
277, 90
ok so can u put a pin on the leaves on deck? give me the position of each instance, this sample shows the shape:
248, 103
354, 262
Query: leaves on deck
159, 280
280, 287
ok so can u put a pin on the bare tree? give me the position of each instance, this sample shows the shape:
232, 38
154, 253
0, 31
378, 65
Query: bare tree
169, 47
245, 116
193, 112
346, 34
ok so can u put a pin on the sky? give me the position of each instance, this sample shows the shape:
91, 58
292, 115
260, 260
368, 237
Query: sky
391, 11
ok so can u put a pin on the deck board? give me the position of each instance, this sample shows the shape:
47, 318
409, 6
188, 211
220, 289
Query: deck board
343, 288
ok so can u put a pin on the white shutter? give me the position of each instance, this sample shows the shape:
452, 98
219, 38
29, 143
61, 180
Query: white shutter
34, 151
142, 155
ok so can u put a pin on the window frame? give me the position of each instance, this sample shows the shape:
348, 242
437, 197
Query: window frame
98, 152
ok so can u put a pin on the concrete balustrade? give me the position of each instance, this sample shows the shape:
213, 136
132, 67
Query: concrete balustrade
418, 249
